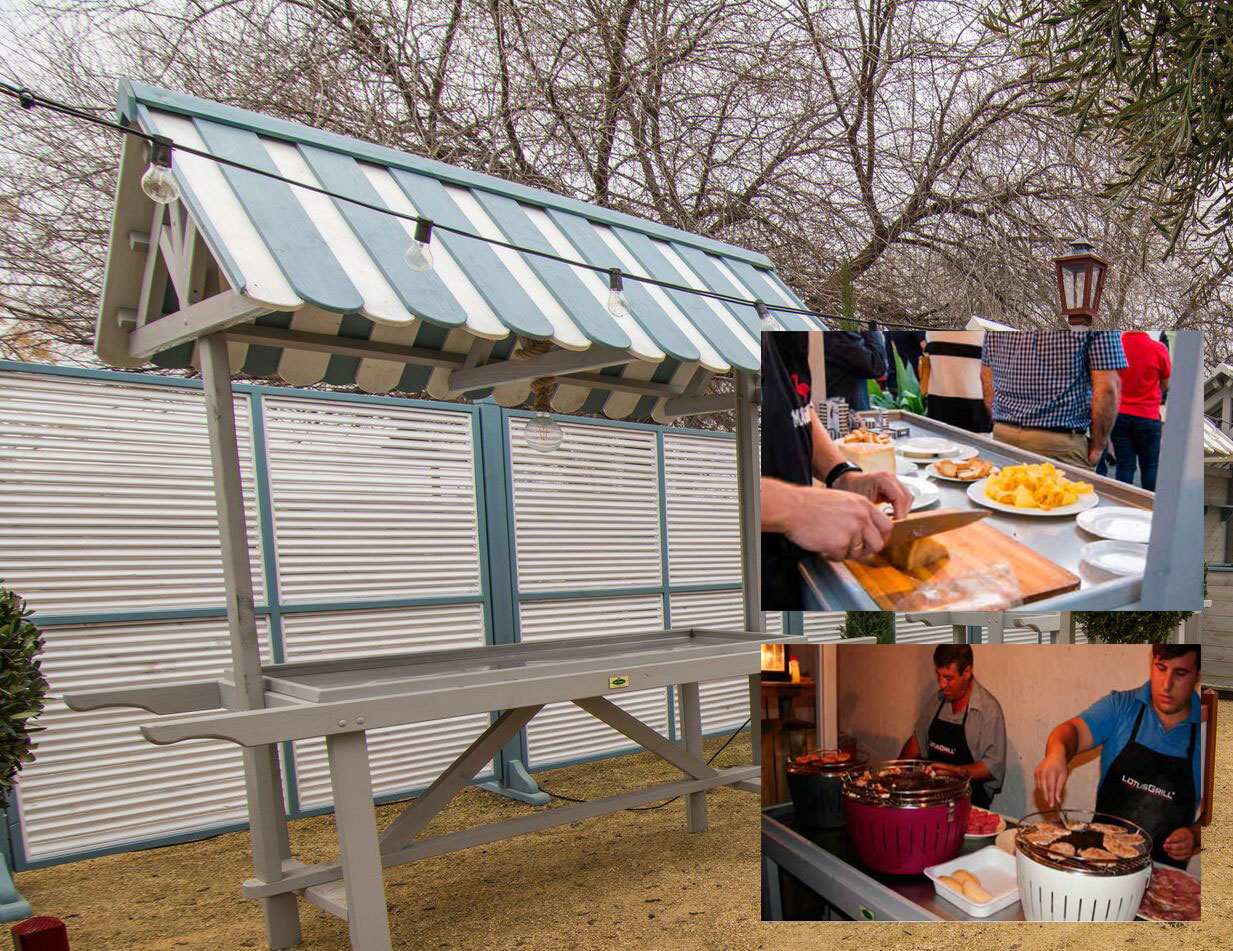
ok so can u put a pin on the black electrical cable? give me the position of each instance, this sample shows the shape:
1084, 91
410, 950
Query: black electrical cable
666, 802
31, 100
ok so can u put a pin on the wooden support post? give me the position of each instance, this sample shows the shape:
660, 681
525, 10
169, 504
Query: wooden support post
267, 815
691, 728
1066, 628
749, 514
355, 819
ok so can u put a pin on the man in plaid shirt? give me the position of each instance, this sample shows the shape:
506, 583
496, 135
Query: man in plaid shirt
1054, 393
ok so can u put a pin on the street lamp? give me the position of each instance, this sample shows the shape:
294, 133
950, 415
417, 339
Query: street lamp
1080, 279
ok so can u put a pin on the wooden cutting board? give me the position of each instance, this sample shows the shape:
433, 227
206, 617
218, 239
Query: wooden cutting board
973, 550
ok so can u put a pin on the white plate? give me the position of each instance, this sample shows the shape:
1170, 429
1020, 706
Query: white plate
932, 469
976, 492
905, 467
924, 492
1116, 558
987, 835
996, 871
1118, 523
927, 446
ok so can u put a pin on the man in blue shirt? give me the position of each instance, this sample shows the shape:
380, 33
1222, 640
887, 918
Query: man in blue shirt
1150, 753
1054, 393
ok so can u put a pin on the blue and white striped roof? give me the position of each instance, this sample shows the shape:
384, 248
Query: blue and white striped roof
330, 267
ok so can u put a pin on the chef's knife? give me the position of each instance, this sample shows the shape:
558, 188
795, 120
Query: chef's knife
931, 523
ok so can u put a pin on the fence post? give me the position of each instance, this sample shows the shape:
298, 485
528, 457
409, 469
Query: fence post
495, 488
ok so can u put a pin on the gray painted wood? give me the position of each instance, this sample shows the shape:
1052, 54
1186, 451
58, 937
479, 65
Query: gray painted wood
360, 855
691, 728
508, 828
192, 321
415, 818
262, 780
604, 709
306, 720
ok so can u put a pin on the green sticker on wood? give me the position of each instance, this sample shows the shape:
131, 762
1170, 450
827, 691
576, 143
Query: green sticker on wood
620, 680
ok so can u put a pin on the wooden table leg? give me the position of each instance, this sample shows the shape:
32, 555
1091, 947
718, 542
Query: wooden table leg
355, 819
691, 727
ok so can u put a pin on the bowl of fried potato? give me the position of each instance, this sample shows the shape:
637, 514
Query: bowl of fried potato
1033, 489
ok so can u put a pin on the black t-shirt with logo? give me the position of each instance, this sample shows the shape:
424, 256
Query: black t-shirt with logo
787, 454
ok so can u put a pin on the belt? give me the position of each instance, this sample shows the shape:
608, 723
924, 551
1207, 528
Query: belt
1068, 430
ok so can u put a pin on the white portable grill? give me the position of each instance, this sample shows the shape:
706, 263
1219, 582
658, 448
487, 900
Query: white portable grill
1054, 887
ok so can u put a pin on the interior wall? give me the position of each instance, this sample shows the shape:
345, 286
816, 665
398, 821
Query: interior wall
882, 691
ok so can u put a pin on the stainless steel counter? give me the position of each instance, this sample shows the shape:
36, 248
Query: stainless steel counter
825, 861
830, 586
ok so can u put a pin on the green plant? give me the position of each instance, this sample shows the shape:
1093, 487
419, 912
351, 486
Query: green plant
879, 624
1130, 627
23, 689
909, 397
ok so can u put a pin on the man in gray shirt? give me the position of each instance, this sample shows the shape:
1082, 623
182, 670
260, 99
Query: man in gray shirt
962, 725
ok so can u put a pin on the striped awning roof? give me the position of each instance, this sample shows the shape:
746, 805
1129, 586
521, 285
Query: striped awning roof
1217, 444
321, 266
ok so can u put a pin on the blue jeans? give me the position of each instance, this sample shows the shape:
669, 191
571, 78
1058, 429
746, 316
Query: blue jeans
1136, 438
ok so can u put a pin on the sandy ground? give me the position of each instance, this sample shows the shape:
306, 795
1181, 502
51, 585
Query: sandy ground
629, 880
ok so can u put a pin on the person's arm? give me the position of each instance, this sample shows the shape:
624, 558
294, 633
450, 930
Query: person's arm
1106, 394
874, 486
861, 353
986, 386
837, 525
911, 749
1066, 741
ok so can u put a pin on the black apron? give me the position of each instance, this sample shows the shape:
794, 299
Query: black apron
787, 455
949, 744
1154, 790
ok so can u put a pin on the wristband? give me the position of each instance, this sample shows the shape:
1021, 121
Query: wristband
839, 470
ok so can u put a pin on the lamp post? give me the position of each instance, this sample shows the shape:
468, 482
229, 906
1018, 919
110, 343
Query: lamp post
1080, 279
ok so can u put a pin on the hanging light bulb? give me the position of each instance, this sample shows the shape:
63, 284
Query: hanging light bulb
618, 303
764, 315
158, 182
419, 255
542, 433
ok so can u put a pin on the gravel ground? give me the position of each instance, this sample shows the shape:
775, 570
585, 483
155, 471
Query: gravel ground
629, 880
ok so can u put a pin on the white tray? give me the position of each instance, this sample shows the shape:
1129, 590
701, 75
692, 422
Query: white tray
996, 871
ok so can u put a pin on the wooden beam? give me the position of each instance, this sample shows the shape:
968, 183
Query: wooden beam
154, 273
327, 343
555, 363
693, 405
196, 320
313, 875
620, 384
455, 778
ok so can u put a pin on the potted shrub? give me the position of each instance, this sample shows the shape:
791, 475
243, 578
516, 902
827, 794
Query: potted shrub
1130, 627
23, 691
879, 624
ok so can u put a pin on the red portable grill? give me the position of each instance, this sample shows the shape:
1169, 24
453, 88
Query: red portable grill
905, 815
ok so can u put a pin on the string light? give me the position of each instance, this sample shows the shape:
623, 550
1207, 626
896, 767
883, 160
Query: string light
764, 316
30, 100
542, 433
158, 183
618, 303
419, 255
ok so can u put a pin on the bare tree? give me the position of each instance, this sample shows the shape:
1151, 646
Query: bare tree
894, 144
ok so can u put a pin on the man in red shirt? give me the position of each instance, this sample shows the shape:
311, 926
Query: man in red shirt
1136, 433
